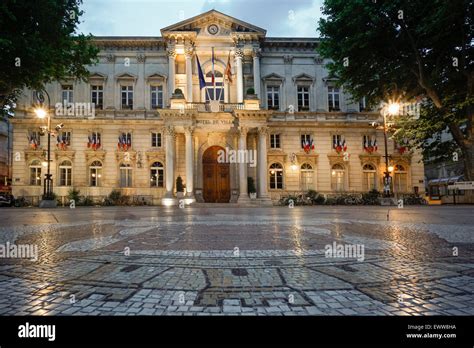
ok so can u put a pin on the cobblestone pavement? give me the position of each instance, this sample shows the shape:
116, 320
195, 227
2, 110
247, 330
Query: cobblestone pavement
239, 261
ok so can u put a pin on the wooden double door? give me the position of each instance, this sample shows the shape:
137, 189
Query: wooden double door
216, 177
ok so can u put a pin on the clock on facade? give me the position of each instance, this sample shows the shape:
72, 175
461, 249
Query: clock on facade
213, 29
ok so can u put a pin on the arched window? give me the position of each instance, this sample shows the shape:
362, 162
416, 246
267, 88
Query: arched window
338, 178
369, 177
35, 173
307, 175
65, 173
125, 175
156, 174
276, 176
95, 173
400, 181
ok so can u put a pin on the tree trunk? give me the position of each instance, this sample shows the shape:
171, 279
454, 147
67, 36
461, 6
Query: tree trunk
468, 159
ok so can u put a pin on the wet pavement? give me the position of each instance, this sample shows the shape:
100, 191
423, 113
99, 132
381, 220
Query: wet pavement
218, 260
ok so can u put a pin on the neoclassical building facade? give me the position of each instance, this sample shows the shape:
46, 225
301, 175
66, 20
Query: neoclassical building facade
271, 98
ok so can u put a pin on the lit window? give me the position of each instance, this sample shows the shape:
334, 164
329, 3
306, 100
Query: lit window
338, 178
35, 173
156, 174
400, 182
369, 175
307, 175
95, 173
276, 176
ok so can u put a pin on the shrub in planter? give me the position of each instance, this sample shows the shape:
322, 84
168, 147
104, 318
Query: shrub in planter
371, 198
250, 91
87, 201
315, 197
74, 194
413, 199
116, 198
252, 191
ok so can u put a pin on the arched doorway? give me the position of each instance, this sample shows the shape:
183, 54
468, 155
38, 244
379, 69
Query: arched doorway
216, 177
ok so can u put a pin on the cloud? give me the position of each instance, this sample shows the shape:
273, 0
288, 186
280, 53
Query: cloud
147, 17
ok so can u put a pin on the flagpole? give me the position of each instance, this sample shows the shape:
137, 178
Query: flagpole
213, 74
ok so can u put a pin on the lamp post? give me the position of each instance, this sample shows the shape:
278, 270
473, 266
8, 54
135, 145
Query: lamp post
42, 113
391, 109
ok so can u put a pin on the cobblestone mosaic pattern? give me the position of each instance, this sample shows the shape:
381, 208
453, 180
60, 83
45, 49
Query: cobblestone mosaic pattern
268, 261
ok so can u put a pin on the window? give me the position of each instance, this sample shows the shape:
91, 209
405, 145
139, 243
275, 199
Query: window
275, 141
276, 176
180, 62
362, 105
94, 141
155, 139
66, 94
127, 97
34, 139
63, 140
303, 98
273, 97
339, 143
125, 175
333, 99
306, 177
97, 96
124, 141
369, 143
400, 179
219, 81
337, 178
35, 173
95, 173
369, 177
65, 173
156, 97
156, 174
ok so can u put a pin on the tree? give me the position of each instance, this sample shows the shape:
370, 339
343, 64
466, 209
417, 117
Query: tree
39, 44
402, 49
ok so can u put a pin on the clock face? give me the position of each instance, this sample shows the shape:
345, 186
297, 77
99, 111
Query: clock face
213, 29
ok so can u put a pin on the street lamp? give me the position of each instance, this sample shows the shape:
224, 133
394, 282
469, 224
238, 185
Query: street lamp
41, 113
392, 109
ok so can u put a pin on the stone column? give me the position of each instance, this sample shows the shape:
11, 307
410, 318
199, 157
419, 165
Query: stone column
170, 145
188, 132
262, 165
256, 53
239, 55
171, 69
189, 53
243, 194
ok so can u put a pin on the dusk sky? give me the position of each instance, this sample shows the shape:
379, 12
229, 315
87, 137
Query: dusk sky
297, 18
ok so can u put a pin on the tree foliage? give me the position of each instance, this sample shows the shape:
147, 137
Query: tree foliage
402, 49
39, 44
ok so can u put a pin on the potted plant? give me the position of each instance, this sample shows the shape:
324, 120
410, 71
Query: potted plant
178, 94
251, 93
179, 187
251, 188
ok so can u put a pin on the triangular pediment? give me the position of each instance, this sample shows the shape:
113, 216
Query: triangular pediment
201, 22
